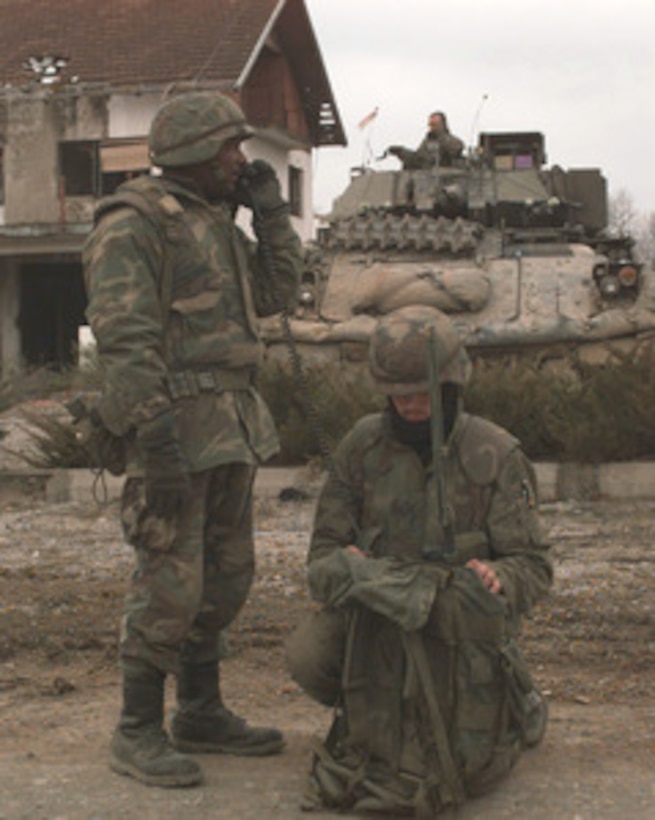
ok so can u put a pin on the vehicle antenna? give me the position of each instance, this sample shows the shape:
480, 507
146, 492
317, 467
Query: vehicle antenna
476, 118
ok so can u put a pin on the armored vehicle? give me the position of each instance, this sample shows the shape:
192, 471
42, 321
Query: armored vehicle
518, 253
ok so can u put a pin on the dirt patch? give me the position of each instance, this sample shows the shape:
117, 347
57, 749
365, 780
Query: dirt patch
63, 570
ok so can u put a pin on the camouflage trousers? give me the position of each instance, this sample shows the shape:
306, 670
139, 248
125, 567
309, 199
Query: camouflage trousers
193, 574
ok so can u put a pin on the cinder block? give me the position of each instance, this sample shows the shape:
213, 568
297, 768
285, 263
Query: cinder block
547, 481
82, 486
556, 482
578, 482
630, 479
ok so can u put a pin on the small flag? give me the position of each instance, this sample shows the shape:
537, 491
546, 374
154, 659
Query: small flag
368, 119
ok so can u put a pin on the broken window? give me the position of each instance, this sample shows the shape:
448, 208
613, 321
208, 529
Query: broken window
79, 168
295, 190
121, 160
92, 168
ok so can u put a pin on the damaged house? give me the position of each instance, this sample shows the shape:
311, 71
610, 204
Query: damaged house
79, 84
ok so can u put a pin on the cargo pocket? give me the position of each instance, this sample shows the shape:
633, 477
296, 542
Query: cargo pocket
528, 706
141, 529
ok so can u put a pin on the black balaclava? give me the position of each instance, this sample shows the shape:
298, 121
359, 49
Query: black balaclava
417, 434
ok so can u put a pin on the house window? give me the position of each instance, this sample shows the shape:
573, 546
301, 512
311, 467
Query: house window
121, 160
90, 168
295, 190
79, 168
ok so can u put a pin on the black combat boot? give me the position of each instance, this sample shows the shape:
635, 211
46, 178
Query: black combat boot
203, 724
140, 747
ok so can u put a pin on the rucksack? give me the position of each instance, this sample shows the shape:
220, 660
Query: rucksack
428, 717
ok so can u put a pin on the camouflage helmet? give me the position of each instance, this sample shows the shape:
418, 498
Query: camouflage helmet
398, 352
191, 127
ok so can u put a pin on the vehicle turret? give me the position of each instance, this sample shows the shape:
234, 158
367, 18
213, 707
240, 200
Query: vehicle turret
519, 253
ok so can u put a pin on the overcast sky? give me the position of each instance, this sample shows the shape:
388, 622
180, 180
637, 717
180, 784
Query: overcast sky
580, 71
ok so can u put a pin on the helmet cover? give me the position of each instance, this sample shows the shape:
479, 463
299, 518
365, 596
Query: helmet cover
398, 352
191, 128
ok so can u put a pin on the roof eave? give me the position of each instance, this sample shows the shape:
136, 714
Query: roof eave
259, 45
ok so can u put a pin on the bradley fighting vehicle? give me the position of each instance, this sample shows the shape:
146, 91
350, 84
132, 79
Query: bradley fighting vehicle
516, 252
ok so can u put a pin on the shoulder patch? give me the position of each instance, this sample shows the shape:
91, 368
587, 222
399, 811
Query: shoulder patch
483, 448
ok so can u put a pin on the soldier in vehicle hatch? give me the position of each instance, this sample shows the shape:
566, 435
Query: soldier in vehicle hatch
174, 290
426, 551
439, 147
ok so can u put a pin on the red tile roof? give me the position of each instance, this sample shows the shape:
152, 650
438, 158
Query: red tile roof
132, 42
151, 43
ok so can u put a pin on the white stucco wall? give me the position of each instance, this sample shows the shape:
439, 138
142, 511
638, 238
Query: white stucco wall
131, 115
280, 157
39, 121
304, 226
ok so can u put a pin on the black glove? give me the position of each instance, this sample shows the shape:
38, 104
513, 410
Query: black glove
102, 448
395, 150
258, 188
168, 486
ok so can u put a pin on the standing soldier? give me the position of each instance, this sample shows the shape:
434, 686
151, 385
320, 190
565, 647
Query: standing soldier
426, 551
438, 149
174, 291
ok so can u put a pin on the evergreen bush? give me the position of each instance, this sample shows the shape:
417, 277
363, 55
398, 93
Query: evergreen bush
591, 415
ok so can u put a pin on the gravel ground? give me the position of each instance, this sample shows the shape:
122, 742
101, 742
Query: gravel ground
63, 569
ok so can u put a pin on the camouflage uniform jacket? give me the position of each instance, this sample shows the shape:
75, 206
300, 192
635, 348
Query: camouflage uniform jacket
173, 303
382, 502
441, 146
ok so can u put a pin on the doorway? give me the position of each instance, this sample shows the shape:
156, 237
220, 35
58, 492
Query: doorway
52, 305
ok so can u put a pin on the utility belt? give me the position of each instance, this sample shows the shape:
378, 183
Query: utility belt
186, 383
